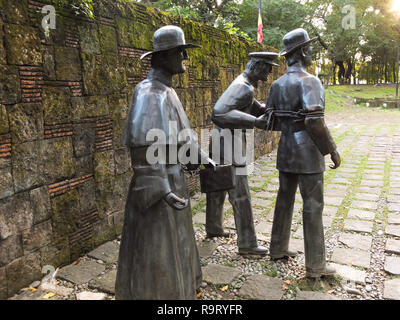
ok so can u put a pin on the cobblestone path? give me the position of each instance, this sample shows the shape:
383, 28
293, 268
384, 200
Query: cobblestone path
362, 231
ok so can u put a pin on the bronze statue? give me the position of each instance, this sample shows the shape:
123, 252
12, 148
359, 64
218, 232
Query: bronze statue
298, 102
238, 109
158, 257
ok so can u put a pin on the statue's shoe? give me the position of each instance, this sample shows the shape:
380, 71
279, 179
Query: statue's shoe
281, 255
327, 271
224, 234
259, 250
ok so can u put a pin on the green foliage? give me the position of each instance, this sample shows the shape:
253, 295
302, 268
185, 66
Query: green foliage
81, 7
231, 29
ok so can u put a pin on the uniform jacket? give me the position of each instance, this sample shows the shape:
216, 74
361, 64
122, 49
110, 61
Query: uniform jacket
236, 109
304, 142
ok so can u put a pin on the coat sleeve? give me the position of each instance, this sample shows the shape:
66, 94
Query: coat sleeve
227, 112
150, 182
313, 102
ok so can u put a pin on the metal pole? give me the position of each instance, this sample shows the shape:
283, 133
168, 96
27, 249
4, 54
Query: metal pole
397, 71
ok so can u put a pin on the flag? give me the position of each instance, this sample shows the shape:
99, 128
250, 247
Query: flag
260, 26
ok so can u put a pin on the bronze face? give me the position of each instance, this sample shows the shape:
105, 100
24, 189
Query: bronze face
173, 60
262, 71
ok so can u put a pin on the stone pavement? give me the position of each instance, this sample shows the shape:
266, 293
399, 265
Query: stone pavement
362, 232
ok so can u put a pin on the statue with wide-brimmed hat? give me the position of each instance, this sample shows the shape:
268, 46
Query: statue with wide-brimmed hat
158, 257
297, 102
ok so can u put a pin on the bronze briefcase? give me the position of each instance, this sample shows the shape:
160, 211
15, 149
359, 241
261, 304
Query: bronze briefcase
222, 179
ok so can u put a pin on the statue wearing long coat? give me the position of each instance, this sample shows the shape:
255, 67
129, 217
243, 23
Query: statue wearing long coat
158, 256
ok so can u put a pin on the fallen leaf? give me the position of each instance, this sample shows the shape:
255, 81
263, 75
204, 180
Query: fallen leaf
285, 287
199, 295
57, 282
32, 289
331, 291
224, 288
76, 262
49, 295
288, 282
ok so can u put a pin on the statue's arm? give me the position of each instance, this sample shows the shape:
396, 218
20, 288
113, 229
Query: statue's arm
313, 100
227, 112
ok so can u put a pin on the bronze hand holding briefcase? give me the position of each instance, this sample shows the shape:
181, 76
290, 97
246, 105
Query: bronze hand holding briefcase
220, 178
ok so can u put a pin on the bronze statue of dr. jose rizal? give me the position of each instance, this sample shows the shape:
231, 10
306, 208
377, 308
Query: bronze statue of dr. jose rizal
238, 109
297, 100
158, 256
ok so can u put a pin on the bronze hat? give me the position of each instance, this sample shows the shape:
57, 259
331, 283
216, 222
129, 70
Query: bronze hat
169, 37
269, 57
295, 39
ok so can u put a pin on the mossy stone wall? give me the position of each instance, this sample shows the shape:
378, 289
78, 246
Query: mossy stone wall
64, 173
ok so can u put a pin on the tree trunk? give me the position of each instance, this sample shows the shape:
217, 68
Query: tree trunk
349, 71
342, 72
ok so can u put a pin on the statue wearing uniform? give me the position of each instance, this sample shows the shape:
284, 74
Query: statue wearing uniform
298, 102
238, 109
158, 256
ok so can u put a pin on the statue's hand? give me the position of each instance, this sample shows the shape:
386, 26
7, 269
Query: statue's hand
261, 122
335, 157
176, 202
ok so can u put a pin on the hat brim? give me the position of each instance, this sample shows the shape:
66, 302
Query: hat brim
185, 46
286, 52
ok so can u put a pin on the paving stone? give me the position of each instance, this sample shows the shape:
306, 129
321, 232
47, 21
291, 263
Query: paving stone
349, 273
394, 207
364, 205
367, 196
358, 225
330, 211
361, 214
371, 183
200, 218
393, 218
372, 190
81, 273
105, 283
393, 198
392, 265
297, 245
395, 191
392, 289
299, 233
327, 221
356, 241
335, 201
264, 194
392, 246
261, 202
217, 274
313, 295
393, 230
107, 252
260, 287
87, 295
353, 257
331, 191
230, 223
375, 176
264, 227
206, 248
341, 181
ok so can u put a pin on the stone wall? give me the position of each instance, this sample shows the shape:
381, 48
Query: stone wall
64, 174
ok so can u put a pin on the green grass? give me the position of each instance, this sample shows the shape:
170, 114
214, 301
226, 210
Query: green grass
364, 91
